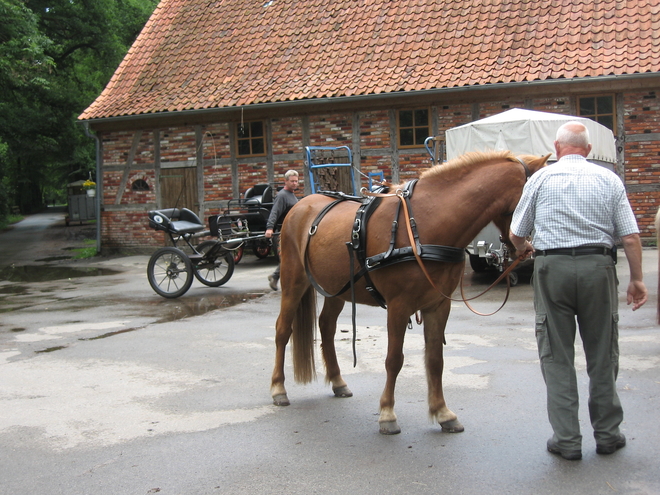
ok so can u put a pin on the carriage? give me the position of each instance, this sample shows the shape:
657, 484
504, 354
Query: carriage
172, 269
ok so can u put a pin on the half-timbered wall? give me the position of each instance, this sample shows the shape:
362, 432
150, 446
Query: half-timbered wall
216, 174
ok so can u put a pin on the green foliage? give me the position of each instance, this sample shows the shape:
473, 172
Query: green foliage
8, 220
55, 58
85, 252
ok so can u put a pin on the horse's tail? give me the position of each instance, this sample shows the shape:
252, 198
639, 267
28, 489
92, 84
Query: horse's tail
302, 344
657, 236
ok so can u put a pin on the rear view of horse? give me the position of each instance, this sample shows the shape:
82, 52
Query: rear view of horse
449, 204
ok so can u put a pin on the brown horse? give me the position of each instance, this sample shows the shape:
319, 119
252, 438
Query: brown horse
451, 203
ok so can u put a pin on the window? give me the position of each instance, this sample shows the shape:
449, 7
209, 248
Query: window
413, 127
250, 138
140, 185
598, 108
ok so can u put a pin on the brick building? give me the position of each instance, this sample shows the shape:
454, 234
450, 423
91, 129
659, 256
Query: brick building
215, 97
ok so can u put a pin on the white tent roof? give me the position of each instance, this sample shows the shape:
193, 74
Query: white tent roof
526, 132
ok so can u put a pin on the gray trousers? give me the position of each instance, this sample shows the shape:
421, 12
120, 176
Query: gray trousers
583, 288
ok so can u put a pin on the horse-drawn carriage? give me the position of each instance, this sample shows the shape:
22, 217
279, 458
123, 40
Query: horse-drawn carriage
172, 269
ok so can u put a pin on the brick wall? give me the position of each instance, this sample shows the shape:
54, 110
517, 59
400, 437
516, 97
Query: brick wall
127, 226
642, 156
177, 144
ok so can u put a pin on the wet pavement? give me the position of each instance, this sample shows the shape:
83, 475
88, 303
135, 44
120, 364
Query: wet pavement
105, 387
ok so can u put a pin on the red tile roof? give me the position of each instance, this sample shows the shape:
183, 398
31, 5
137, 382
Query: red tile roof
199, 54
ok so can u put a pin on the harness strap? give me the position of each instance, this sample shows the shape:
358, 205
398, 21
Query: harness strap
319, 217
429, 252
528, 173
365, 213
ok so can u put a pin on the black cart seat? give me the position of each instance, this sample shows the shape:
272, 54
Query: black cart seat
177, 221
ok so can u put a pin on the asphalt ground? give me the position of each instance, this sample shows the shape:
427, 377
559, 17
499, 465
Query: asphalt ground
107, 388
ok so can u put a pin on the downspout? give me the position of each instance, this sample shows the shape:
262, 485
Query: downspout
97, 198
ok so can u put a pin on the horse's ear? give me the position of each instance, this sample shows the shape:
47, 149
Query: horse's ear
539, 162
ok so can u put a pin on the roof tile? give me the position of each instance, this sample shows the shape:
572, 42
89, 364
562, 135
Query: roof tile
196, 54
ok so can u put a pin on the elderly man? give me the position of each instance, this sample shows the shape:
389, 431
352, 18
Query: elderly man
578, 210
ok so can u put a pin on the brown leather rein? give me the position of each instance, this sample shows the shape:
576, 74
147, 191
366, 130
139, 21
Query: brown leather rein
400, 194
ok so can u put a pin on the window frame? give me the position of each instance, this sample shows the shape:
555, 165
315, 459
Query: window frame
597, 114
250, 139
413, 127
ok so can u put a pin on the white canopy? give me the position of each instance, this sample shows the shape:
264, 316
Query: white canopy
527, 132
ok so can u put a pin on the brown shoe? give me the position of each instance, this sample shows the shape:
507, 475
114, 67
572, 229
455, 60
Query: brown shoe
610, 448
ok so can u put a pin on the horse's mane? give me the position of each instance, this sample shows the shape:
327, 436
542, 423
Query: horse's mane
465, 161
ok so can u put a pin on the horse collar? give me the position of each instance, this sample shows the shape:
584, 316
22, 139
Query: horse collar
528, 174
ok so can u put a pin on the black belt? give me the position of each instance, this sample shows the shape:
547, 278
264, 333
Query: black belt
578, 251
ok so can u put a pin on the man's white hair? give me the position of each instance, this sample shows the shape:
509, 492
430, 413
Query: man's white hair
573, 133
289, 173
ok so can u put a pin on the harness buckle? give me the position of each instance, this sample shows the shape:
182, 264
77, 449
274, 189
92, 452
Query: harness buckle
313, 229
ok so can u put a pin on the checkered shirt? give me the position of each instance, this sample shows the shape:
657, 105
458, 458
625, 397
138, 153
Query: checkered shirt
574, 203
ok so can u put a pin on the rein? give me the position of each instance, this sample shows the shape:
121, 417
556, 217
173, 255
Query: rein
401, 194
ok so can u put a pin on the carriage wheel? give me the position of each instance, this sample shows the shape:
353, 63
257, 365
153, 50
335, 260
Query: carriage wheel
513, 279
262, 248
216, 270
170, 272
478, 264
238, 254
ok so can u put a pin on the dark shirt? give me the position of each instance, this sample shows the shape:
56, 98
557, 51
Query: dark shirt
284, 201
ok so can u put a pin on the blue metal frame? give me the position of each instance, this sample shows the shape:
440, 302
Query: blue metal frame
378, 177
313, 166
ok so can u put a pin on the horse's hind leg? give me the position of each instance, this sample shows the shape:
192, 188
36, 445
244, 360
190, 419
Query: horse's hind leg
328, 328
282, 335
434, 332
292, 298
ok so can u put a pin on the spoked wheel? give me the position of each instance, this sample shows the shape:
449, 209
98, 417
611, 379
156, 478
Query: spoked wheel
262, 248
238, 254
215, 270
170, 272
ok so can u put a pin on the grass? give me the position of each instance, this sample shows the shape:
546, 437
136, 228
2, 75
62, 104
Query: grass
85, 252
8, 220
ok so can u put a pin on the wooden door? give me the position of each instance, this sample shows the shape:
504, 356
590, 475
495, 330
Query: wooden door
178, 188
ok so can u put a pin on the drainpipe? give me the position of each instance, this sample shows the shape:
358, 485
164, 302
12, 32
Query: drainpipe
97, 198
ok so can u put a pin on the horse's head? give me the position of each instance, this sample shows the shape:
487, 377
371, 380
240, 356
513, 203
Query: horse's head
528, 165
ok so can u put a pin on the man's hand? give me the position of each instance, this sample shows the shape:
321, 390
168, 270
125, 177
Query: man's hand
269, 233
526, 250
523, 247
637, 294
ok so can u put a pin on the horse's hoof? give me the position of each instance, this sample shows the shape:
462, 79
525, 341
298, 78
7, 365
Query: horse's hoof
453, 426
342, 392
389, 428
281, 400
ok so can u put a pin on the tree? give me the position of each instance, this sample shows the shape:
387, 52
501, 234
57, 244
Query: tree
55, 58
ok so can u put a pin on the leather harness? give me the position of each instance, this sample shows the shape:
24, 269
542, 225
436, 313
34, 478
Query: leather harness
358, 245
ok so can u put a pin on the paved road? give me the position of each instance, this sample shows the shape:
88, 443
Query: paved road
107, 388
